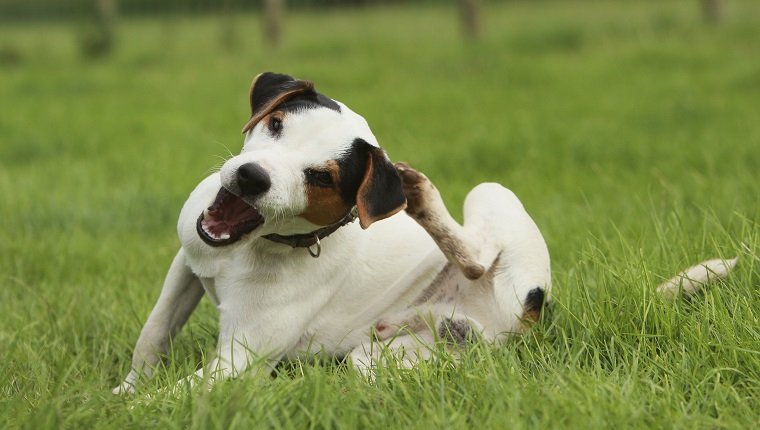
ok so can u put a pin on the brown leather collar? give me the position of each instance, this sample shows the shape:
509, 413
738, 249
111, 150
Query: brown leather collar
307, 240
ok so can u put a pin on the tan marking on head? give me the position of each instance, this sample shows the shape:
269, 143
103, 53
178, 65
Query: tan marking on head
275, 114
325, 206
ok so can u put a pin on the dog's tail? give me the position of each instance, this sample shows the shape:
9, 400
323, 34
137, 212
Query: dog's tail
691, 280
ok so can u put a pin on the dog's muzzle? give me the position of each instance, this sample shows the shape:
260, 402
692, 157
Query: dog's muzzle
227, 219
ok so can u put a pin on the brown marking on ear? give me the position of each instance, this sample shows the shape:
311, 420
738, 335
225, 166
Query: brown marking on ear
300, 88
325, 206
365, 219
367, 204
253, 85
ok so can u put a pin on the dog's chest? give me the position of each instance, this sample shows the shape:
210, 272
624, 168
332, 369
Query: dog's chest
255, 282
328, 302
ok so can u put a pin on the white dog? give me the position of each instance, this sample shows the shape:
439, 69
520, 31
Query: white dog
271, 240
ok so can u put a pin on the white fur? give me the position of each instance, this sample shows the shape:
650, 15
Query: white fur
276, 302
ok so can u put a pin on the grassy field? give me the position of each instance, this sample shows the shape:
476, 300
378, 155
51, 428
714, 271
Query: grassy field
631, 130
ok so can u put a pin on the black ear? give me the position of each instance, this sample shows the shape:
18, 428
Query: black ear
265, 88
380, 194
268, 90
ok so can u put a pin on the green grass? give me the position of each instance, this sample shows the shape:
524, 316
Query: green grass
631, 131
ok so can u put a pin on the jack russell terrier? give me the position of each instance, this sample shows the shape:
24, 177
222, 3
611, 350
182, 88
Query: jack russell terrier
271, 240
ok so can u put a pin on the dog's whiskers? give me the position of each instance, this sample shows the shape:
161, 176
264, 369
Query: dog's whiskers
280, 216
230, 154
215, 168
222, 159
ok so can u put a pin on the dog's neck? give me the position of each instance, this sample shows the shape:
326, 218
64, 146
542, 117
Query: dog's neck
308, 240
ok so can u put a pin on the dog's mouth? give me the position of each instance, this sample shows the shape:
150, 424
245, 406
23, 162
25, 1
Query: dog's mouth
227, 220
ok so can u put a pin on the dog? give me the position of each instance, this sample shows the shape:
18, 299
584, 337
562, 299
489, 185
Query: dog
311, 241
271, 240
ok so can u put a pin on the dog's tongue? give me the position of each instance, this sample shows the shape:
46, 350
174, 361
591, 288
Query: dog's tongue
228, 212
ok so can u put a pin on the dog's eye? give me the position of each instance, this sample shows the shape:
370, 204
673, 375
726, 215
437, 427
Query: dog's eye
320, 178
275, 125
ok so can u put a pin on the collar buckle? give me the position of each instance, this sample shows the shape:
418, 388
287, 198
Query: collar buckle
310, 240
316, 253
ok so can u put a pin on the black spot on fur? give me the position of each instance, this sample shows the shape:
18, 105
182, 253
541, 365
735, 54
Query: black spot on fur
269, 85
305, 101
534, 301
457, 332
386, 193
352, 165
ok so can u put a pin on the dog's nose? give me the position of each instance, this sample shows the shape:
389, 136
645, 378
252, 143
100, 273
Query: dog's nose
252, 179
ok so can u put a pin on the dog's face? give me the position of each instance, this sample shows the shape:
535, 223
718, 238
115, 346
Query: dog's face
307, 160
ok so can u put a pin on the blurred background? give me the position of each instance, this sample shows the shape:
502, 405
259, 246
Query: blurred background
598, 114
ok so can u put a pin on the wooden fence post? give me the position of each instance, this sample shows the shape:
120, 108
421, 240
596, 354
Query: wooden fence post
711, 10
99, 34
469, 11
229, 35
273, 10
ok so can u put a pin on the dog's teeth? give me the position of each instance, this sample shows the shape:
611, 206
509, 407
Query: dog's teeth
211, 234
208, 231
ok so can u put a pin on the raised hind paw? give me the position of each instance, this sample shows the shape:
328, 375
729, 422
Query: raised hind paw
425, 205
421, 194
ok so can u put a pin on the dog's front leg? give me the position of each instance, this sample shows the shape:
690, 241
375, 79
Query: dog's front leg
180, 295
234, 357
252, 339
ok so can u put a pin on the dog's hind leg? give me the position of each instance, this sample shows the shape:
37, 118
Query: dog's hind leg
521, 277
424, 205
498, 237
180, 294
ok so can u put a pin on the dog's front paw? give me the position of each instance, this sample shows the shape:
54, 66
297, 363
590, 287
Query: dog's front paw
418, 189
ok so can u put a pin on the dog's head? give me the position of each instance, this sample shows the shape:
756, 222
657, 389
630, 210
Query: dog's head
306, 162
